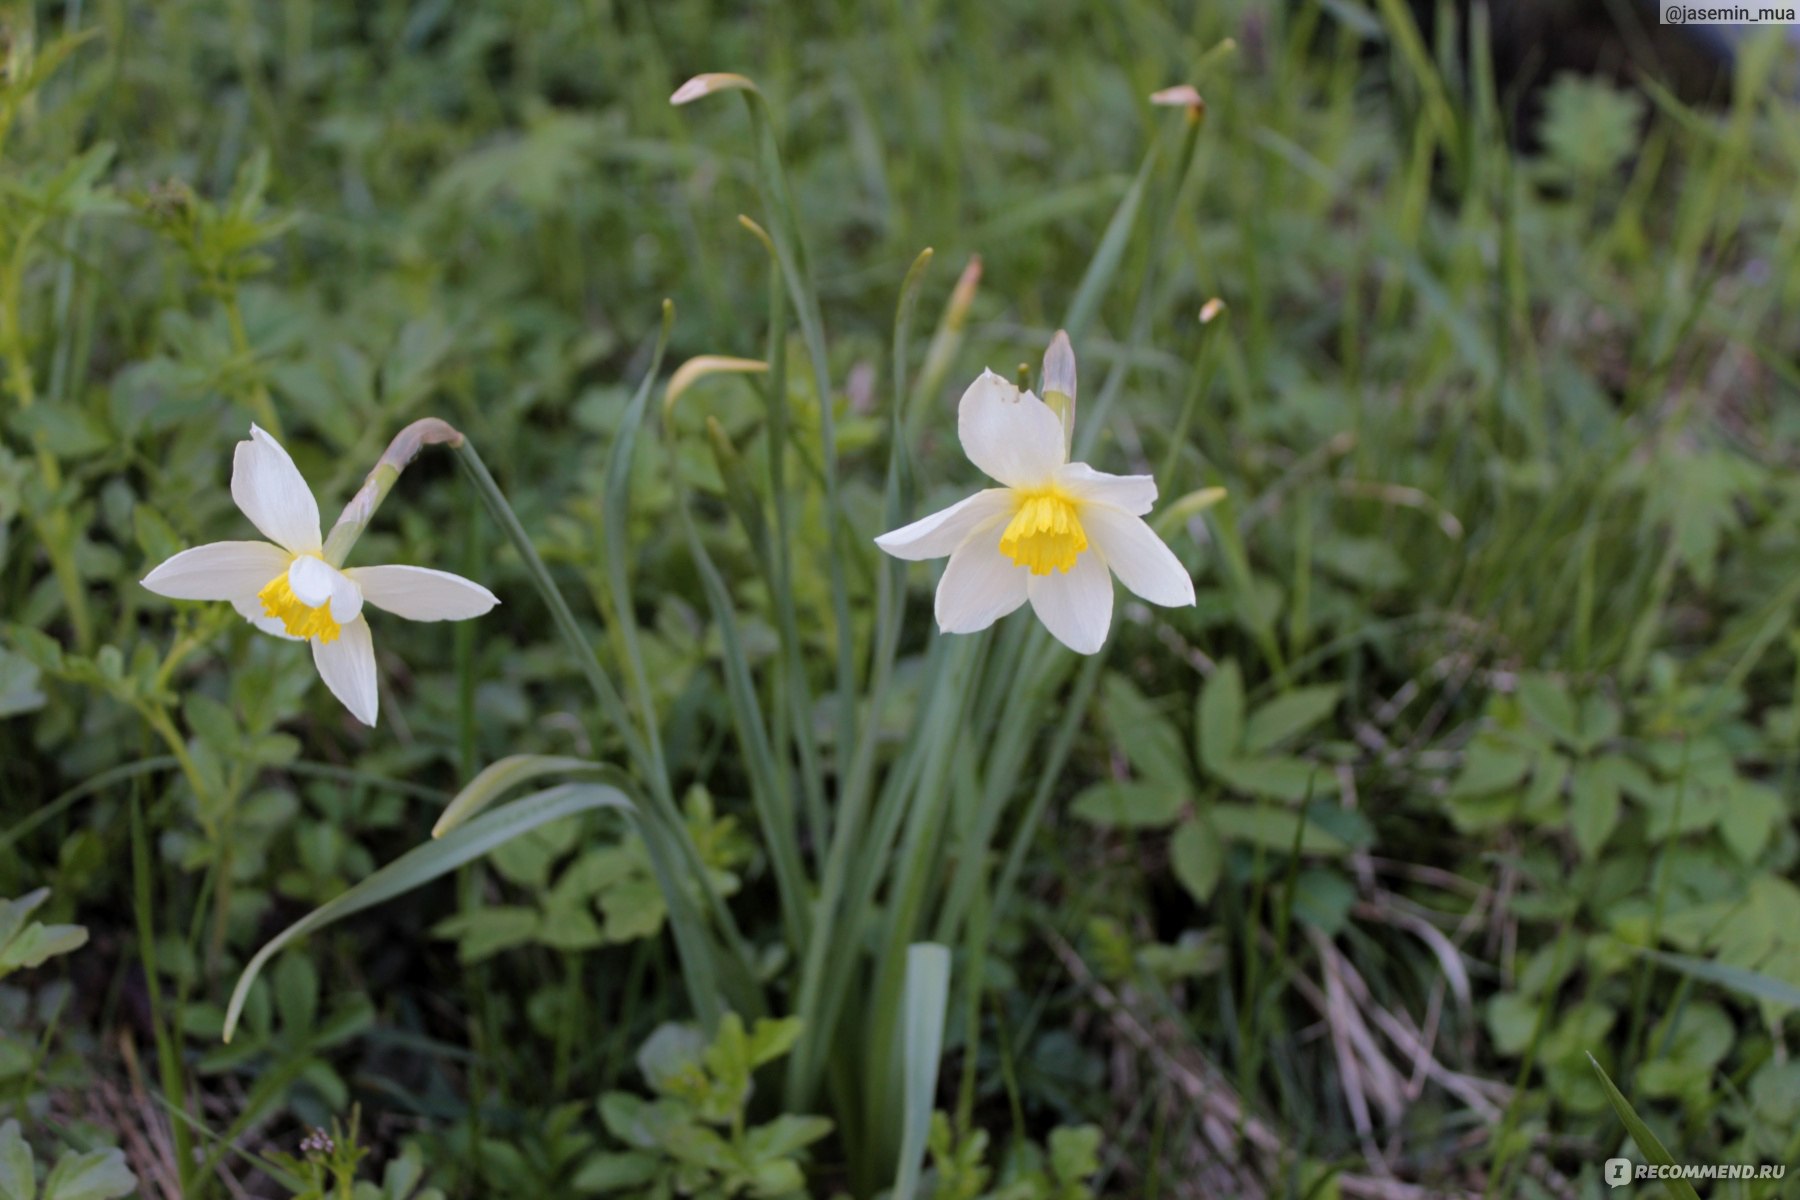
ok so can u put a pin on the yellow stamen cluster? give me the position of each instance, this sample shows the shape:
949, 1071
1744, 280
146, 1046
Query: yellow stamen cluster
1045, 533
303, 621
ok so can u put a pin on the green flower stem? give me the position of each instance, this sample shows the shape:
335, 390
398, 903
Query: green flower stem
613, 548
611, 703
790, 253
1163, 214
665, 834
774, 808
1074, 712
853, 873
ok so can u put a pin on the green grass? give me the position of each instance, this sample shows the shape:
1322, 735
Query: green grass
1474, 760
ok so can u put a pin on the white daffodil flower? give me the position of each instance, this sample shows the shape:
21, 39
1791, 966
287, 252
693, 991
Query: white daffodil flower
289, 589
1054, 534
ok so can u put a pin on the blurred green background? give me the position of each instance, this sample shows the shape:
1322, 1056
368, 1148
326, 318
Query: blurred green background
1502, 597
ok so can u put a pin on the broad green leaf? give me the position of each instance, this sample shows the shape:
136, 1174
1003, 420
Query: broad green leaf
1219, 723
786, 1135
1749, 818
1287, 716
616, 1172
1277, 778
19, 680
1594, 805
925, 993
1271, 828
1543, 798
428, 862
297, 995
1323, 898
570, 928
1546, 701
770, 1038
14, 912
1511, 1020
1074, 1153
1647, 1142
1129, 805
1198, 857
39, 943
673, 1051
1149, 739
1491, 766
1600, 722
484, 932
96, 1175
23, 946
18, 1172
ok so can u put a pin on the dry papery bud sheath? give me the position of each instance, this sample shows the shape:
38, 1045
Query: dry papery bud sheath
1181, 96
427, 431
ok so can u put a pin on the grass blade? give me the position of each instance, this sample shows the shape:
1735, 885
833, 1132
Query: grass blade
500, 777
1741, 980
1647, 1142
422, 864
926, 997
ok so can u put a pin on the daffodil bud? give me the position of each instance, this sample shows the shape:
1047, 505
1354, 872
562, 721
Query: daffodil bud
1059, 385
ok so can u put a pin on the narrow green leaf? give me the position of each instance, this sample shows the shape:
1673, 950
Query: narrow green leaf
500, 777
1647, 1142
1742, 980
425, 863
927, 992
1109, 254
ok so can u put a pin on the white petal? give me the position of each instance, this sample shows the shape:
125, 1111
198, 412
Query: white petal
218, 571
980, 585
943, 531
422, 594
1132, 493
313, 580
1011, 435
347, 665
1059, 365
268, 488
1137, 556
346, 598
251, 609
1076, 605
